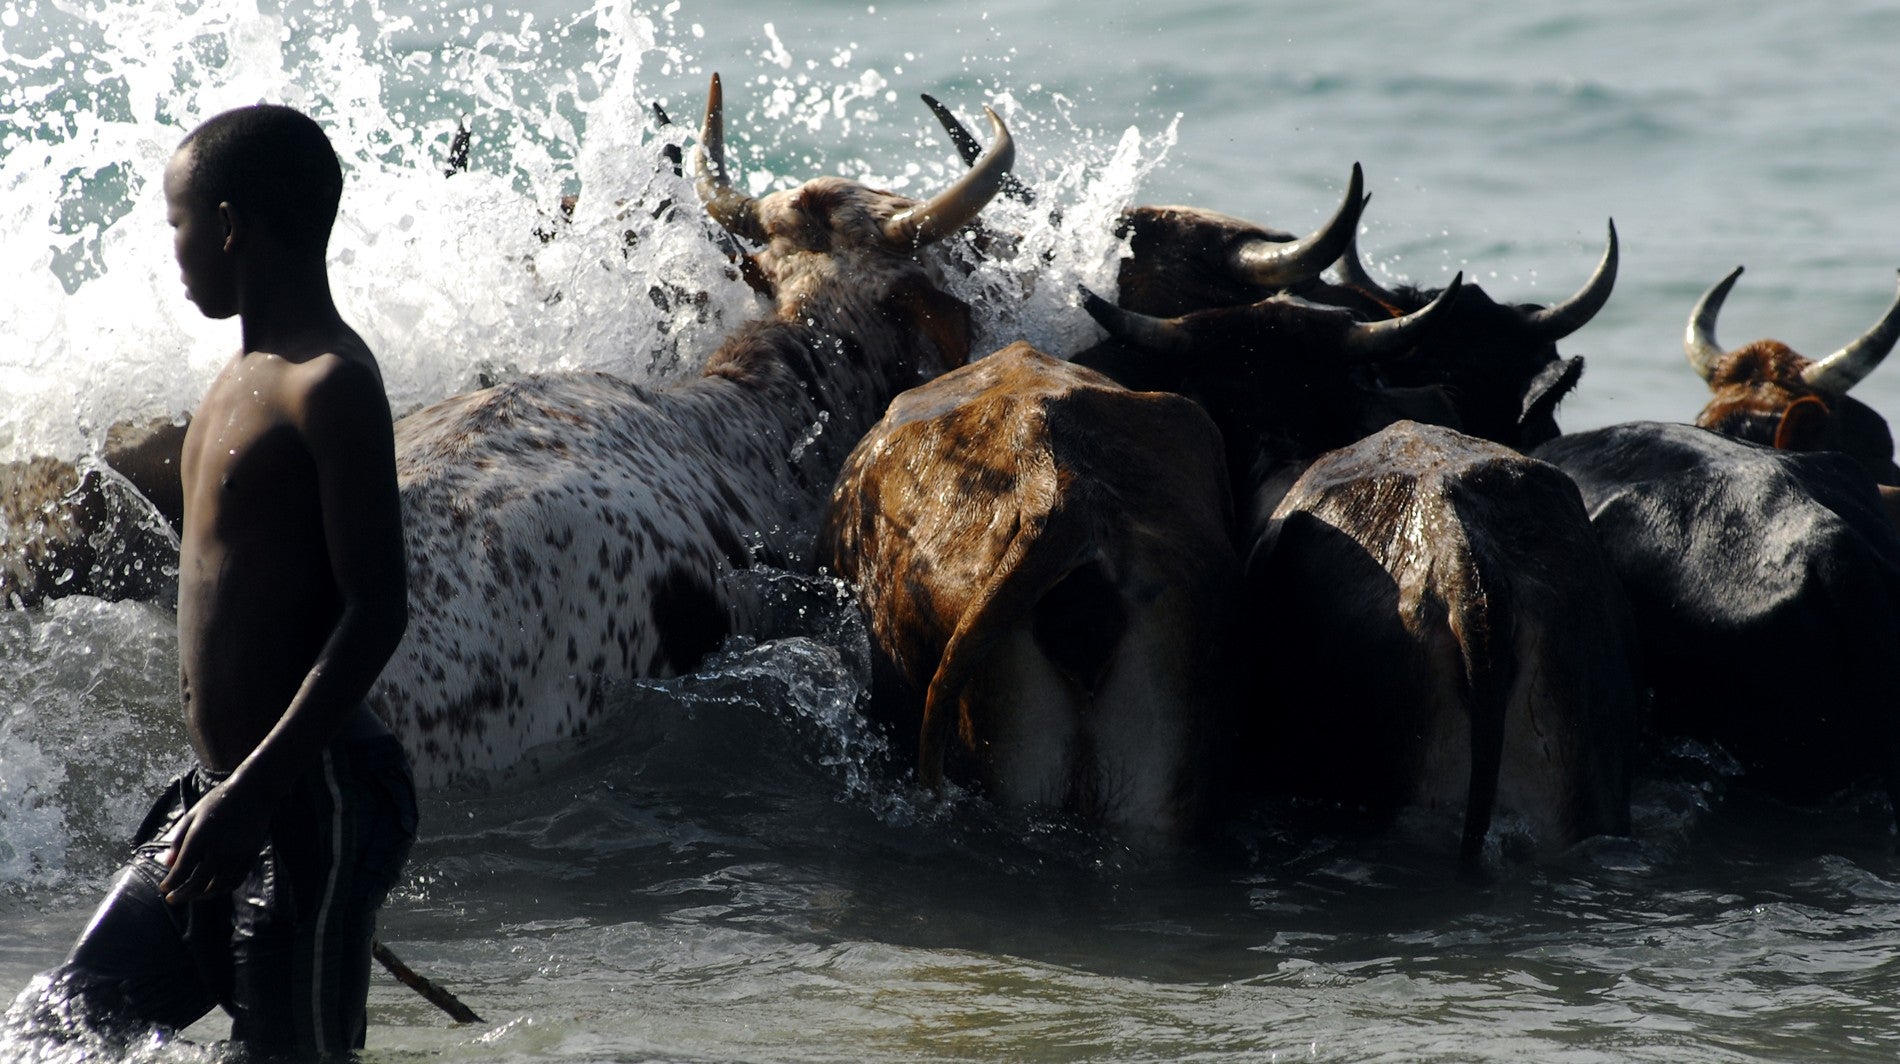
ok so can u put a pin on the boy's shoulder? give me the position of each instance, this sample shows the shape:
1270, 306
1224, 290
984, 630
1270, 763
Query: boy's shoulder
333, 378
337, 366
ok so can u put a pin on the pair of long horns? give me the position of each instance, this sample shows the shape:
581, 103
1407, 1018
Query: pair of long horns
1551, 323
926, 223
1833, 375
1364, 342
1266, 263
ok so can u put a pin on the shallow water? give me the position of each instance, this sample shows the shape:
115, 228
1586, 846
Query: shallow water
737, 871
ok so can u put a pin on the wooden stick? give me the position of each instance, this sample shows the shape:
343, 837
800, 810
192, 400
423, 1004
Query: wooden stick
428, 988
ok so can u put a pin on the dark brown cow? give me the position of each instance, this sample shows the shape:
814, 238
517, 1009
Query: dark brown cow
1183, 259
1493, 370
105, 527
1766, 393
1043, 557
1430, 618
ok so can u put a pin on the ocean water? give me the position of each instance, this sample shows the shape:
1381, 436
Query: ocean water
736, 870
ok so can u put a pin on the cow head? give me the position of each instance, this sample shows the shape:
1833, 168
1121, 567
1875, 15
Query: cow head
1284, 378
1498, 362
1766, 393
839, 255
1183, 259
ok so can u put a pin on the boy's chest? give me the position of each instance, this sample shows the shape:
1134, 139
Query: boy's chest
244, 461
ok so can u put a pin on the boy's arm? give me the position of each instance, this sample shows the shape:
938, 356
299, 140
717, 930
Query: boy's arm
346, 427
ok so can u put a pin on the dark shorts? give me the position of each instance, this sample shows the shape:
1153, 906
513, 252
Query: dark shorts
286, 953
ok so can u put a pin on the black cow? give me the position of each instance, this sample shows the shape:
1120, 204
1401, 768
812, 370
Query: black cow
1498, 363
1444, 631
1766, 589
1431, 620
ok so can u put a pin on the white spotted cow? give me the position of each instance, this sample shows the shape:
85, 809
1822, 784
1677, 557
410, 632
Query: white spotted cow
567, 529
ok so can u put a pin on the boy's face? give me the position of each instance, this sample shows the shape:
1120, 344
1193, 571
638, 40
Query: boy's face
200, 234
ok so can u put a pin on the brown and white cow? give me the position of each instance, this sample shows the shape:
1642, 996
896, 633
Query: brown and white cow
564, 530
1765, 393
1043, 559
1429, 618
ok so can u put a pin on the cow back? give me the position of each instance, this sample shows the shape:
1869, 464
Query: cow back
1022, 516
1440, 629
1766, 589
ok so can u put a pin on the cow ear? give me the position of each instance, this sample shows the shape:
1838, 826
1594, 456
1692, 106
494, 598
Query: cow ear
1548, 388
1803, 425
942, 318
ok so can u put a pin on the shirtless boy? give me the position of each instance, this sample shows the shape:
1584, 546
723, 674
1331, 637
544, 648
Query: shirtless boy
258, 873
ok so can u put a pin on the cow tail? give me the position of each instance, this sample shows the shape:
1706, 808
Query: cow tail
1041, 554
1484, 640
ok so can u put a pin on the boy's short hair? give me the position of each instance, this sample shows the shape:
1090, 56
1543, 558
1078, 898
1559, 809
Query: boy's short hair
273, 161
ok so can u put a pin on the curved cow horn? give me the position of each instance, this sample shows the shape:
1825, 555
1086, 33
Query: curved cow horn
1164, 335
960, 136
1353, 273
1844, 368
954, 207
968, 149
1698, 340
1278, 263
1382, 340
1555, 322
735, 211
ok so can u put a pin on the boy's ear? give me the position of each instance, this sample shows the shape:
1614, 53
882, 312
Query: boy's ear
232, 221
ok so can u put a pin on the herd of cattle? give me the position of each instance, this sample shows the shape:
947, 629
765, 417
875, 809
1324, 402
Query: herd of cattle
1276, 534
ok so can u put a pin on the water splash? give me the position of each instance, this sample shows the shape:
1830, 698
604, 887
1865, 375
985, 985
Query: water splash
89, 730
48, 1024
459, 280
444, 276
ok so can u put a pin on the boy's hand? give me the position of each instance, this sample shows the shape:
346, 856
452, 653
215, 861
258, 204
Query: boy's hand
215, 845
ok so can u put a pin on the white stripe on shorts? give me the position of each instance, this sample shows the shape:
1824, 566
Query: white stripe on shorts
329, 895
